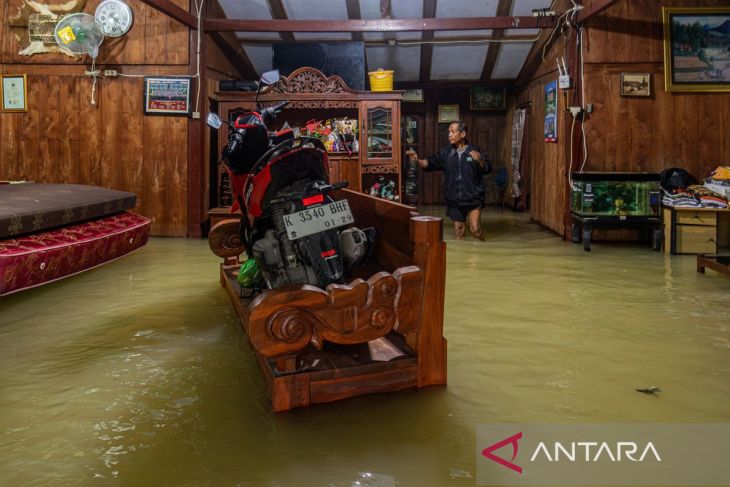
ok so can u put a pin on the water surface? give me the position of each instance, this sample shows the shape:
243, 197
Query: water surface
137, 372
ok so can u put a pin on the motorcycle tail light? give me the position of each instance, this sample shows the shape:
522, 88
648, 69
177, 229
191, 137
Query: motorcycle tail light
328, 253
313, 200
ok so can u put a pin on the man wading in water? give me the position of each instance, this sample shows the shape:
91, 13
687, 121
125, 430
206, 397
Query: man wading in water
463, 168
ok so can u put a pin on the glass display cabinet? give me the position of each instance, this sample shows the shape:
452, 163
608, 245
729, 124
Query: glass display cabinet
376, 166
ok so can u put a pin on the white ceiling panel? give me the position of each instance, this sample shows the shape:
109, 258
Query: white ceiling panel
261, 56
249, 10
319, 10
460, 8
510, 60
400, 9
405, 61
524, 8
458, 61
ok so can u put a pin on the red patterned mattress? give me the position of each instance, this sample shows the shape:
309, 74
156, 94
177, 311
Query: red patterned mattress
45, 257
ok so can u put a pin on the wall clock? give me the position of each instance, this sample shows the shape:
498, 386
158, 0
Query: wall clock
115, 17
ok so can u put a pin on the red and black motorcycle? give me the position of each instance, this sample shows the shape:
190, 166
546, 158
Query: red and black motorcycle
291, 224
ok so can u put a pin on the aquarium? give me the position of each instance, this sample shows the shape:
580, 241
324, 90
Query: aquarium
615, 194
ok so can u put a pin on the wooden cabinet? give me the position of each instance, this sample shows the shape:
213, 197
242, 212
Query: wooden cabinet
313, 96
694, 230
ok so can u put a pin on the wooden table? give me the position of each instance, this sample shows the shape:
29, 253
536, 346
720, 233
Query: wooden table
718, 263
696, 230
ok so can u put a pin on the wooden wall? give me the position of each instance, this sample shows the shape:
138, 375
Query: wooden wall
64, 139
624, 133
485, 129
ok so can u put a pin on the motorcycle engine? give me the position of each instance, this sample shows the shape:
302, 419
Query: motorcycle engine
274, 270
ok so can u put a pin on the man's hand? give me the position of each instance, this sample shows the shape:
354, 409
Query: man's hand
477, 157
414, 158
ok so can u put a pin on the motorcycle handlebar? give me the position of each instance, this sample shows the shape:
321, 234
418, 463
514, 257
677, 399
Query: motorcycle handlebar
269, 113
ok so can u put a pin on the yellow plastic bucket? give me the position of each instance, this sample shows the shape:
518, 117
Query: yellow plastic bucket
381, 80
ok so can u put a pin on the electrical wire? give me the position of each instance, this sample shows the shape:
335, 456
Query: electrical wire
199, 9
94, 73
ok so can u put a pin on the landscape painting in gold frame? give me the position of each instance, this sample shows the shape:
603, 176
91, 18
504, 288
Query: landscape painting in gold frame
696, 48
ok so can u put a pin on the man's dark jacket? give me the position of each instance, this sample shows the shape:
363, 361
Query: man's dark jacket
464, 184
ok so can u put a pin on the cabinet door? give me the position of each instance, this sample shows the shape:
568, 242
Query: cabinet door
381, 133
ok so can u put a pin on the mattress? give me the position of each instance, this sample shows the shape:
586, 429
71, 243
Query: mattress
30, 208
45, 257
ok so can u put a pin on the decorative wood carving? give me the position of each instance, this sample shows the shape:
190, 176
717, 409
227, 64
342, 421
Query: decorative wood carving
285, 322
309, 80
323, 104
224, 238
378, 168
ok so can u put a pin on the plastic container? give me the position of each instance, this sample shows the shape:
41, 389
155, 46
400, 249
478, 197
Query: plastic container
381, 80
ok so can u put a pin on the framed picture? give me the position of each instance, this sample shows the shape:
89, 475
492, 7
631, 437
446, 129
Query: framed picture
167, 95
448, 113
413, 96
635, 84
696, 56
551, 112
487, 98
14, 93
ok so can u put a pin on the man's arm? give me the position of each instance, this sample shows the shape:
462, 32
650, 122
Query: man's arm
433, 163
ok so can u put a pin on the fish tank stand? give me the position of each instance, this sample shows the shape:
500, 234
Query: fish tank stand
616, 200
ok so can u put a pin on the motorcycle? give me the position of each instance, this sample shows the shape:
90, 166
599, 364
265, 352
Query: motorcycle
291, 224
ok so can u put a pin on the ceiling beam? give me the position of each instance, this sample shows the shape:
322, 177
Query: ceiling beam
429, 12
174, 12
376, 25
278, 12
503, 9
227, 43
595, 8
450, 40
353, 13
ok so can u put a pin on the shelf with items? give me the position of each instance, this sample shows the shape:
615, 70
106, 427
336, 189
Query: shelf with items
315, 99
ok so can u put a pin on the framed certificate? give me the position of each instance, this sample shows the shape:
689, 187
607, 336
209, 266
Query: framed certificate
14, 93
167, 95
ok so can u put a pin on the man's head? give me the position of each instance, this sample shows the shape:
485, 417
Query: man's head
457, 132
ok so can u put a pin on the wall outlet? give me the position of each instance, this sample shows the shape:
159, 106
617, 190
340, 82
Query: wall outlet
110, 73
564, 82
196, 115
575, 111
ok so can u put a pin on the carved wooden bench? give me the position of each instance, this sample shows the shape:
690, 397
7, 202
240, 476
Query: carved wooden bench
317, 345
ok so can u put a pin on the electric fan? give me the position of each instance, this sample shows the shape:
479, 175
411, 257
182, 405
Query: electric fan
79, 33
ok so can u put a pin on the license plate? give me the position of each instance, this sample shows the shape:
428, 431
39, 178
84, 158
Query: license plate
314, 220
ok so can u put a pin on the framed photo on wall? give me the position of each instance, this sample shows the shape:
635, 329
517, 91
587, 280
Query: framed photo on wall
14, 93
448, 113
167, 95
696, 52
551, 112
413, 96
487, 98
635, 84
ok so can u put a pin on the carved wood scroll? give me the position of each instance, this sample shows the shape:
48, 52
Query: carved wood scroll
285, 322
309, 80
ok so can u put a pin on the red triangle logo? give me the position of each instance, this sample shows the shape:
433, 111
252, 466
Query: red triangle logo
487, 452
